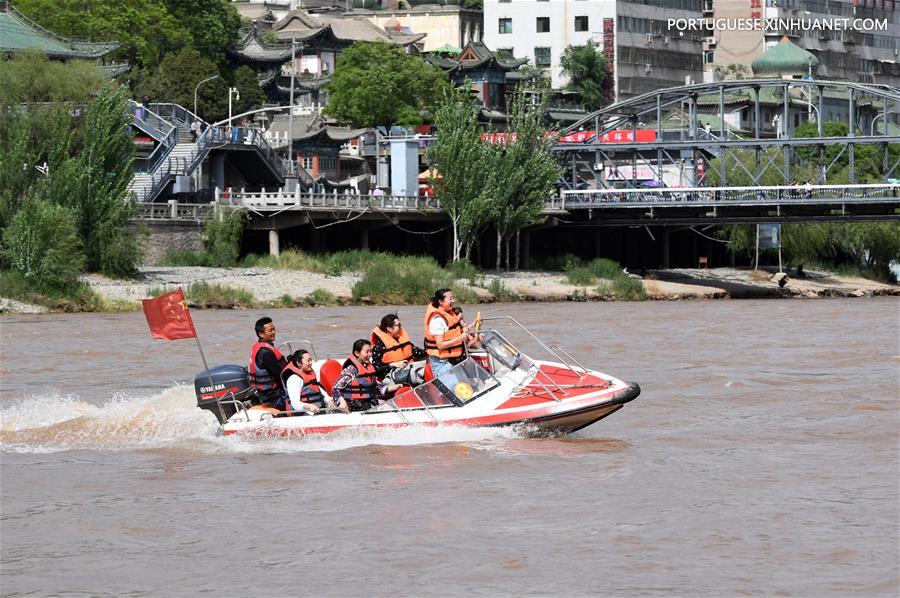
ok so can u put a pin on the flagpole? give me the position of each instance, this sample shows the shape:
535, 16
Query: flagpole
203, 357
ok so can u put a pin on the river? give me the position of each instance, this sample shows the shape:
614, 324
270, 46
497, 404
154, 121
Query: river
761, 458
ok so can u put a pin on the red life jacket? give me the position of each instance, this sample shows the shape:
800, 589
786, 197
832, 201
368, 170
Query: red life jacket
454, 330
260, 378
395, 349
311, 391
363, 386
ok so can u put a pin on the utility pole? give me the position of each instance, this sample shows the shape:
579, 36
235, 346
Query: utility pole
290, 151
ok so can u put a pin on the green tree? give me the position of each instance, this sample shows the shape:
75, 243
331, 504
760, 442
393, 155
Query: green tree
212, 25
379, 84
586, 68
145, 29
521, 175
461, 159
42, 243
177, 77
32, 77
93, 183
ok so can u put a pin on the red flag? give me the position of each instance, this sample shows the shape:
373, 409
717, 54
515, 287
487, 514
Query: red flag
168, 316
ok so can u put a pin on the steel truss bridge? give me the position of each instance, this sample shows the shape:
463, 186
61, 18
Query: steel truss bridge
760, 171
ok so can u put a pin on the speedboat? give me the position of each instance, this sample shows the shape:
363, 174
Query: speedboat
498, 385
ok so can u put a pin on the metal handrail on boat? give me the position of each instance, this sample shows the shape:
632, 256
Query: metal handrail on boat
542, 344
312, 348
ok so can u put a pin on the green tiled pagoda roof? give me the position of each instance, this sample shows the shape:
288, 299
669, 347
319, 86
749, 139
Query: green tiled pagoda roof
785, 58
18, 33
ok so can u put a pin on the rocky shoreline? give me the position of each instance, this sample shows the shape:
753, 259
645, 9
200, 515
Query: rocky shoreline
268, 285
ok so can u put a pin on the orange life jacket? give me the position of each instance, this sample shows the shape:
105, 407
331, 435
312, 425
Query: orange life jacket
362, 387
260, 379
311, 391
454, 330
395, 349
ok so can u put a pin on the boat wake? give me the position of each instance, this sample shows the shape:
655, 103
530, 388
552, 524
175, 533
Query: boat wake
170, 420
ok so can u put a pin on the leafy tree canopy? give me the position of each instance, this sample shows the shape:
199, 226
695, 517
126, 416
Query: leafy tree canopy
586, 67
212, 25
32, 77
379, 84
146, 29
178, 76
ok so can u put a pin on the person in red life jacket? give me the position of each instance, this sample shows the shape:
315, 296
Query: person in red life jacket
266, 364
305, 394
358, 385
394, 355
445, 335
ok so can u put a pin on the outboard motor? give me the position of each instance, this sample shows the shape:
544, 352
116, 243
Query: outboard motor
230, 383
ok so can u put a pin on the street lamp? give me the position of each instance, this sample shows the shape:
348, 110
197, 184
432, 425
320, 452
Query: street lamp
232, 92
198, 87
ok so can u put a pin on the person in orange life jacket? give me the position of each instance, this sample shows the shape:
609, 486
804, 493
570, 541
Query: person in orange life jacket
445, 336
358, 385
393, 354
266, 364
305, 394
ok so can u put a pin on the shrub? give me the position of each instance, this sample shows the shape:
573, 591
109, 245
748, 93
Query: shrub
73, 298
222, 238
500, 292
464, 269
604, 268
630, 289
42, 243
291, 259
204, 294
320, 297
581, 275
406, 280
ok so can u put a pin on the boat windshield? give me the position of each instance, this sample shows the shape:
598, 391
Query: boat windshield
503, 352
461, 384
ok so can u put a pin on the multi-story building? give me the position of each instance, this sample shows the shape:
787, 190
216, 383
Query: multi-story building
643, 54
869, 53
444, 24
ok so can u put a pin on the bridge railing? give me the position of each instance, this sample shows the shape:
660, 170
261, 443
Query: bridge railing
175, 211
599, 198
281, 199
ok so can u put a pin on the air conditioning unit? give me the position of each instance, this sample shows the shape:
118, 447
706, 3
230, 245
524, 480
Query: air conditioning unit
648, 67
648, 38
711, 40
666, 40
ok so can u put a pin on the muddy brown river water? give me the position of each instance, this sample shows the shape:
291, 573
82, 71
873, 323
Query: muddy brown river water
762, 458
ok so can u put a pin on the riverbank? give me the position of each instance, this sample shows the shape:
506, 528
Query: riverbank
267, 287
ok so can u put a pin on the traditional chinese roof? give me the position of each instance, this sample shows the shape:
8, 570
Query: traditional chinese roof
475, 55
18, 33
307, 128
300, 25
785, 58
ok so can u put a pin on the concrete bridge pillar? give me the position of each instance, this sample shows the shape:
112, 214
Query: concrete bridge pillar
217, 170
664, 247
524, 249
364, 239
274, 244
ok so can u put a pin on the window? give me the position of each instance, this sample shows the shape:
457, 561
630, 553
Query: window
505, 25
543, 24
542, 57
581, 23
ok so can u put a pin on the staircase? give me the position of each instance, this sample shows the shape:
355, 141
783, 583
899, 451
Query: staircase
181, 155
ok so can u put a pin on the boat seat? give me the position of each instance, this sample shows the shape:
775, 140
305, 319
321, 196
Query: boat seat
405, 398
329, 374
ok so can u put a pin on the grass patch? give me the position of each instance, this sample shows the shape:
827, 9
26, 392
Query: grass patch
321, 297
185, 258
581, 275
218, 296
501, 292
392, 280
77, 297
613, 282
464, 269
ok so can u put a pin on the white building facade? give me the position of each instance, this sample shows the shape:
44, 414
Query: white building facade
643, 53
